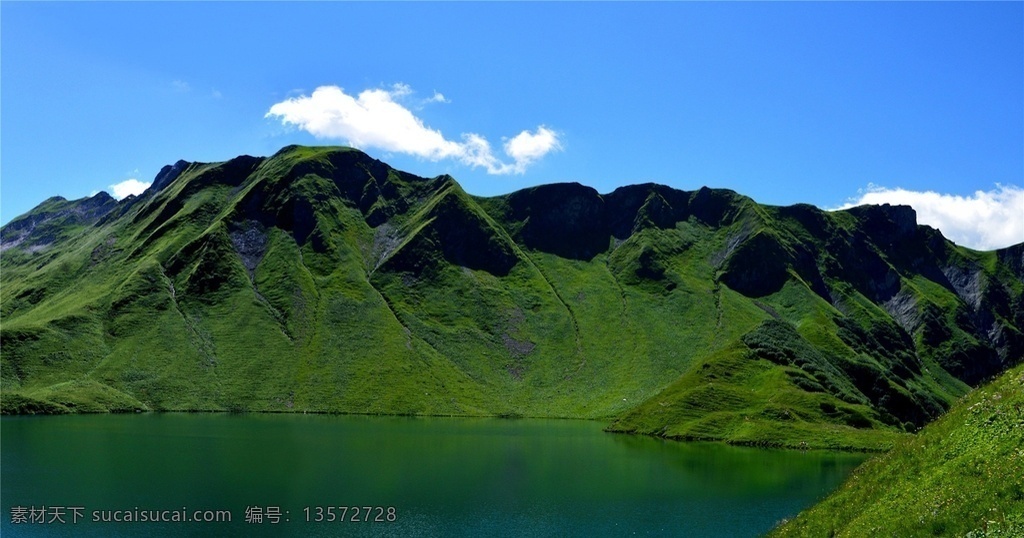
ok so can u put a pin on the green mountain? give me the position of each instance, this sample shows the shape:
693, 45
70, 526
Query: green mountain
962, 475
322, 280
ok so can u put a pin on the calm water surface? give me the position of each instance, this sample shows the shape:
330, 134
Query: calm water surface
443, 477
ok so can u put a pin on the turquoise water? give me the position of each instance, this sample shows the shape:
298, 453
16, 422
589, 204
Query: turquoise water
418, 476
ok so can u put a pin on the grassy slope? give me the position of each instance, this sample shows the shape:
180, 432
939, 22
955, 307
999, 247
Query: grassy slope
743, 400
321, 280
962, 475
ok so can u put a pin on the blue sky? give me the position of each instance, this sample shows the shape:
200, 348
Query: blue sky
822, 103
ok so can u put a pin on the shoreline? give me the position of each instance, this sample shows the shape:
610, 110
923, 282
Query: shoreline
767, 445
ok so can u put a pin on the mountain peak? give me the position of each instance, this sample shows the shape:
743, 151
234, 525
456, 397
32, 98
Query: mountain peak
168, 174
898, 220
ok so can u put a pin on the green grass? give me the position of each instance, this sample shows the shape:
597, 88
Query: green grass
962, 475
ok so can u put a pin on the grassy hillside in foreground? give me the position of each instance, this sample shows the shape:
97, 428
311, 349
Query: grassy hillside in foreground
322, 280
962, 475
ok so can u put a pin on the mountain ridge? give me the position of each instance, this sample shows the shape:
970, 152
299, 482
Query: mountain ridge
350, 286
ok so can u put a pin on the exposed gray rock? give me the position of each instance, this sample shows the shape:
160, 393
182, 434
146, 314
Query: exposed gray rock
734, 241
903, 308
968, 283
250, 241
386, 239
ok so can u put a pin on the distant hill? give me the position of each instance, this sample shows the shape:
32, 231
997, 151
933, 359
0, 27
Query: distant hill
322, 280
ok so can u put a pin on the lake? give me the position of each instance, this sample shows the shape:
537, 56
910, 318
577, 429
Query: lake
313, 475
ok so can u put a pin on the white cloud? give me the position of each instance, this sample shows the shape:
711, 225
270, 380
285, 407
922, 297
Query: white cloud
374, 119
181, 86
127, 187
216, 94
400, 89
527, 147
986, 220
438, 97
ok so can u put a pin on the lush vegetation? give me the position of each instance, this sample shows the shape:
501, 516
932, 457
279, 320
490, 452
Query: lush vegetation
322, 280
962, 475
